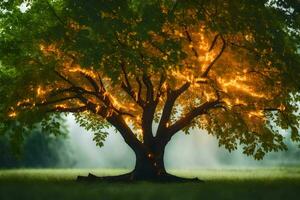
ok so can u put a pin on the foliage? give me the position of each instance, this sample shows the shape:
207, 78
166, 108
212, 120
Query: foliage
230, 67
95, 124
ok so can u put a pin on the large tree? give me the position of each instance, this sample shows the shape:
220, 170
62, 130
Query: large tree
151, 69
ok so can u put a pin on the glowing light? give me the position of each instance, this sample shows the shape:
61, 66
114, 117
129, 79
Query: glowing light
208, 96
258, 113
40, 91
98, 108
150, 155
127, 120
138, 118
227, 102
237, 83
164, 86
51, 48
60, 106
281, 107
240, 102
167, 124
25, 101
84, 71
109, 113
178, 33
12, 114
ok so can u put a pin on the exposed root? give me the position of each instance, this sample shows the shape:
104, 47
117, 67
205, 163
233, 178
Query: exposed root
130, 177
93, 178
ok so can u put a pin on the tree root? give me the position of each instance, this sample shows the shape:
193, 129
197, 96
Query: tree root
129, 177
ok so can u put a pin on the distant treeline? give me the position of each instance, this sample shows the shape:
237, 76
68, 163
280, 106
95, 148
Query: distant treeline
38, 150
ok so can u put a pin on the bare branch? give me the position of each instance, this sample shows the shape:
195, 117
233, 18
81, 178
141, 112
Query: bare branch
189, 37
214, 42
205, 73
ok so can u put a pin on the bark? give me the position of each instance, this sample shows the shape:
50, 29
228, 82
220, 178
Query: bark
149, 164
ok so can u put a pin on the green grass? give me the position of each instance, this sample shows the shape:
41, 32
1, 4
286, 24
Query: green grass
44, 184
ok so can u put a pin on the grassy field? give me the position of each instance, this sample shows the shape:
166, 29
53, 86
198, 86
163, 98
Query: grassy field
44, 184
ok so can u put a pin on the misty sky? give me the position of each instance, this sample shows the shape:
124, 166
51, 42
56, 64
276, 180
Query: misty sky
197, 150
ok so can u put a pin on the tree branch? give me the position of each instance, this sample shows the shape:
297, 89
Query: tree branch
56, 101
127, 134
149, 87
187, 119
159, 89
189, 37
91, 81
139, 96
172, 95
205, 73
129, 90
214, 42
73, 110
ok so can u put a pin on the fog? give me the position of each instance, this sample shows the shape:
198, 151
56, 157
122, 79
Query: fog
196, 150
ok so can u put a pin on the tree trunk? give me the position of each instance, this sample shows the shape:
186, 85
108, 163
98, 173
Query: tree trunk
149, 165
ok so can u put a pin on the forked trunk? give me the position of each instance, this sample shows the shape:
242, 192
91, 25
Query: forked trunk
149, 166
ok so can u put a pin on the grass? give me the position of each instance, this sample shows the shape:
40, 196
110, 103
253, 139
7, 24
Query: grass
261, 183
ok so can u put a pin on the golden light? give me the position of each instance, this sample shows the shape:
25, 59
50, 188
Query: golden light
238, 84
51, 48
208, 96
25, 101
127, 120
227, 102
61, 106
150, 155
98, 108
40, 91
257, 113
90, 73
138, 118
281, 107
240, 102
12, 114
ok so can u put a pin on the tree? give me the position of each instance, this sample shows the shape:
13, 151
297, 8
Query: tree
39, 149
229, 67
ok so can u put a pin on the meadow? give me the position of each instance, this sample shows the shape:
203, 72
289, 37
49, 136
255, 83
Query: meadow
49, 184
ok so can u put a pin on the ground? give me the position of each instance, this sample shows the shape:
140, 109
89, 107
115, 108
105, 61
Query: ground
259, 183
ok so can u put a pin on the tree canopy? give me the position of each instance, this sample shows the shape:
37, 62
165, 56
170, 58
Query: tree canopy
230, 67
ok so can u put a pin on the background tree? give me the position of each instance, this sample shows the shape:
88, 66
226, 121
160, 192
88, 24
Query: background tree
39, 149
230, 67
